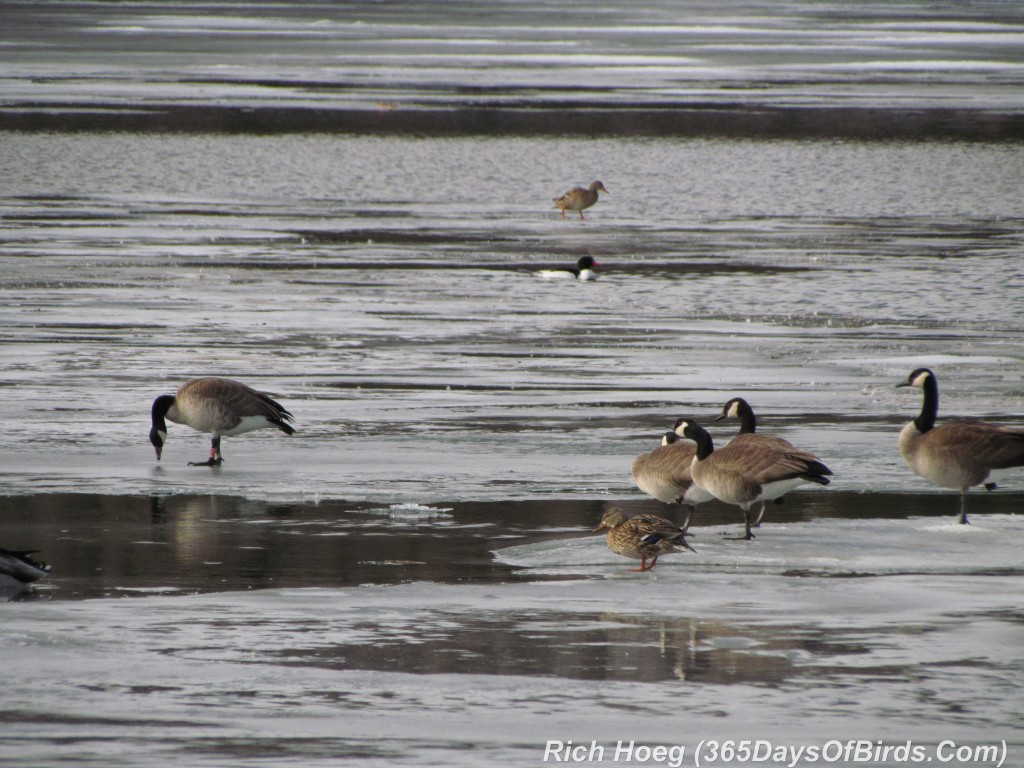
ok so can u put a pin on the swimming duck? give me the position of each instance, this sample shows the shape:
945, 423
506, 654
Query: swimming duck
642, 537
578, 198
19, 568
584, 270
220, 407
958, 454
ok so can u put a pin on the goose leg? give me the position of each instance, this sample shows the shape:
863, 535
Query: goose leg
689, 516
963, 507
760, 515
215, 459
746, 523
747, 535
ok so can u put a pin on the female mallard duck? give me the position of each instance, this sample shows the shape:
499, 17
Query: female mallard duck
220, 407
664, 474
958, 454
642, 537
578, 198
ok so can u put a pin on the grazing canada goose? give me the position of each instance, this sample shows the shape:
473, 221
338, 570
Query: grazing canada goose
578, 198
738, 408
745, 472
19, 568
642, 537
664, 474
958, 454
584, 271
220, 407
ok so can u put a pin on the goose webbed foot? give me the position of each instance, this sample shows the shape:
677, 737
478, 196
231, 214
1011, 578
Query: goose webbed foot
210, 462
748, 537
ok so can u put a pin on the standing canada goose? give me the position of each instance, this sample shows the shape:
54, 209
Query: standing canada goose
738, 408
745, 472
578, 198
664, 474
642, 537
959, 454
584, 271
19, 568
220, 407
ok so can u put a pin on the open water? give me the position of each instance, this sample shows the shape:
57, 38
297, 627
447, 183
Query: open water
347, 205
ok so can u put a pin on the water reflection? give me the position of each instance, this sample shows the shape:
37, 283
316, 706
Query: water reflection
572, 645
116, 545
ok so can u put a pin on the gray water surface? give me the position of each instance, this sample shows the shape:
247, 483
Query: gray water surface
411, 579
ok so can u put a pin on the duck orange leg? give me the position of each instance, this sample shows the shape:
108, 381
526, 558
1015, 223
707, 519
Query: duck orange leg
644, 566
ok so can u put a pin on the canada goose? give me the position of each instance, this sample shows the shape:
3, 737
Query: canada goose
744, 472
578, 198
220, 407
19, 568
738, 408
664, 474
958, 454
642, 537
583, 271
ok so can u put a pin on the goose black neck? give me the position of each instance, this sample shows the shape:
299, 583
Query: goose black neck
705, 445
930, 407
748, 424
160, 408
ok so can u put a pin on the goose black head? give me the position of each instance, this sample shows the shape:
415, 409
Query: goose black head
918, 378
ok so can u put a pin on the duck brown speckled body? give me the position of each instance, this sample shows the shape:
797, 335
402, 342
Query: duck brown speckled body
643, 538
578, 198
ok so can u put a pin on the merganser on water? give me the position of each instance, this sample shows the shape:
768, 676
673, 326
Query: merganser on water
584, 270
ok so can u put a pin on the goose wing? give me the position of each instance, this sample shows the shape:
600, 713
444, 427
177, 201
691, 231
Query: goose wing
992, 446
233, 401
766, 461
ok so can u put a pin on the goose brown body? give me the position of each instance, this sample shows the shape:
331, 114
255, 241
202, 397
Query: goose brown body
643, 537
738, 408
578, 198
747, 471
958, 454
664, 474
218, 407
